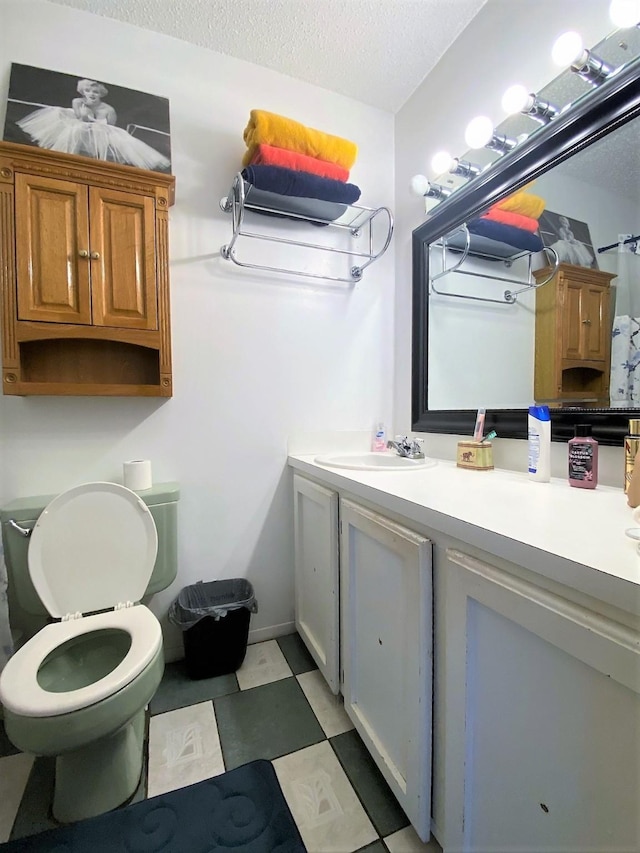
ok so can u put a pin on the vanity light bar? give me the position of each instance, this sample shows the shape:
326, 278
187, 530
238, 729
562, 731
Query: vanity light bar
569, 50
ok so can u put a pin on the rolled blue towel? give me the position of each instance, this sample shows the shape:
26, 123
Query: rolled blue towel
277, 179
509, 234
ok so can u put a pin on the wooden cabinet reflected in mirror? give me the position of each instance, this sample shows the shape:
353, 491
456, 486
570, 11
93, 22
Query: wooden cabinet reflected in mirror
572, 356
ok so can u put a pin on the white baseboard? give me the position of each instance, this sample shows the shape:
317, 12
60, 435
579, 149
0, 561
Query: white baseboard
270, 633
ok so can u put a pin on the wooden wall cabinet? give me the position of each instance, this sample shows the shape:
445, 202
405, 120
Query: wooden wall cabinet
573, 336
84, 276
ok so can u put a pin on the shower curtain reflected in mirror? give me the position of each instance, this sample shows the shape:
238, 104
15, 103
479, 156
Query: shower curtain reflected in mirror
625, 335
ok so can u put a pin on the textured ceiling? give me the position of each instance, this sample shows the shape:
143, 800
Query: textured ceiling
376, 51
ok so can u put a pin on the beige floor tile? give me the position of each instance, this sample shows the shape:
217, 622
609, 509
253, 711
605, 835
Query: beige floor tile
324, 805
406, 841
184, 748
14, 773
263, 664
329, 709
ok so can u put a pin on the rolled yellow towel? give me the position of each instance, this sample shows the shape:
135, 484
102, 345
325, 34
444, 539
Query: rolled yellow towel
273, 129
524, 203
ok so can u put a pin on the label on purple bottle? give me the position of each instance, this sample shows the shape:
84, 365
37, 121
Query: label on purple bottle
581, 462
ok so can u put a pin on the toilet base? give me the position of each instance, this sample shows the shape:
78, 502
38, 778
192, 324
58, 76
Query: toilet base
101, 776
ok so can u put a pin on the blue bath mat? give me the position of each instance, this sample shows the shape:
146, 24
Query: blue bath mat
243, 811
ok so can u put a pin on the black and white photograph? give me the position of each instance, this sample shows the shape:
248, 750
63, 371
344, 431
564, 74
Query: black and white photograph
568, 237
93, 118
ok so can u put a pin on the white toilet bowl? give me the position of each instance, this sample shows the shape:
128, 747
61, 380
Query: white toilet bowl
79, 687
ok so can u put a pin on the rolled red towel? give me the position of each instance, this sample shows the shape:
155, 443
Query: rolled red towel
270, 155
508, 217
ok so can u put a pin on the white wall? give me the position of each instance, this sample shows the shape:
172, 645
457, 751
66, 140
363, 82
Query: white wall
508, 41
256, 356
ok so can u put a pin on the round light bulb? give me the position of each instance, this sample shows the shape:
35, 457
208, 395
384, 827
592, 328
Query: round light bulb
515, 100
479, 131
624, 13
420, 184
441, 162
567, 49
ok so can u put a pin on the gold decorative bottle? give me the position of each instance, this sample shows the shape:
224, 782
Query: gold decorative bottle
631, 447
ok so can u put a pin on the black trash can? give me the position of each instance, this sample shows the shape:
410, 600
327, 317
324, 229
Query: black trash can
214, 618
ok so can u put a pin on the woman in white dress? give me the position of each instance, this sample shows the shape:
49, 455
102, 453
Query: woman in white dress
89, 128
569, 249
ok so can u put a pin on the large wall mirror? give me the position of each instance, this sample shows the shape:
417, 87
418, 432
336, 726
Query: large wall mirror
482, 335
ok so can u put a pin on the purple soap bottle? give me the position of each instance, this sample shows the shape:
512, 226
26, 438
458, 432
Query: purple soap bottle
583, 458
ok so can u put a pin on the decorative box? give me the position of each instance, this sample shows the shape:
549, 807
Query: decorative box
475, 454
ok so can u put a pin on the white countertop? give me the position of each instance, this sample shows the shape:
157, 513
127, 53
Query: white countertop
580, 531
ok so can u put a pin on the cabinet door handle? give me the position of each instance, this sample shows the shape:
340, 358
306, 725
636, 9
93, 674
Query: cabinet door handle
83, 253
96, 257
586, 322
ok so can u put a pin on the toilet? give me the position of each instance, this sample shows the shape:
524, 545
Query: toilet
78, 688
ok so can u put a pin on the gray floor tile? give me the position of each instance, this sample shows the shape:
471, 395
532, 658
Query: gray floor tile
376, 847
265, 722
296, 654
6, 747
375, 795
34, 814
177, 690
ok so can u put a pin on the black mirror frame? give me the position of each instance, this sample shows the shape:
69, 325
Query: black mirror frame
590, 118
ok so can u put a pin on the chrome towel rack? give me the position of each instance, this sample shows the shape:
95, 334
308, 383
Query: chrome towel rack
510, 296
356, 220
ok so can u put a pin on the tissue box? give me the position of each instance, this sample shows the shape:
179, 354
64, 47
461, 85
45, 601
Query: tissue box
475, 454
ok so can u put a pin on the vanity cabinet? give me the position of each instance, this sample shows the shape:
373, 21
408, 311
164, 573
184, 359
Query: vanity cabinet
539, 717
572, 359
385, 574
363, 609
512, 721
85, 290
315, 513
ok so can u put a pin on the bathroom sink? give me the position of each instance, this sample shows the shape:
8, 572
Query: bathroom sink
373, 461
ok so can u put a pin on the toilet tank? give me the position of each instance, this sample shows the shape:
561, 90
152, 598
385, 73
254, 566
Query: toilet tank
162, 500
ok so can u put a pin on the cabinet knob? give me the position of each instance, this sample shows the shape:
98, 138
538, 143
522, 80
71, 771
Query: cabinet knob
83, 253
96, 257
584, 322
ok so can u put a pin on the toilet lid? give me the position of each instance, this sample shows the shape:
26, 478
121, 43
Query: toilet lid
93, 547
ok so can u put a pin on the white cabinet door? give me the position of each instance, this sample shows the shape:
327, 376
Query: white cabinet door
316, 574
387, 651
542, 717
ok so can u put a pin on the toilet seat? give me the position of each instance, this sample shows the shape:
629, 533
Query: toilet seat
93, 547
19, 688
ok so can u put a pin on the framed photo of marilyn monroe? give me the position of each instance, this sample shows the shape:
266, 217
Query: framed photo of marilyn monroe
569, 237
78, 114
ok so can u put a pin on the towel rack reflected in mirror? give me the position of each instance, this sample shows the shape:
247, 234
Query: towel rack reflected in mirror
510, 296
374, 224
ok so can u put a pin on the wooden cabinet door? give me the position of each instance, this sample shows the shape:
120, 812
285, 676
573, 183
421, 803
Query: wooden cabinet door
316, 574
595, 322
540, 705
585, 321
123, 266
571, 314
52, 250
387, 646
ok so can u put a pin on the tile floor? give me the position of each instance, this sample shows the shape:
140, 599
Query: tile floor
277, 706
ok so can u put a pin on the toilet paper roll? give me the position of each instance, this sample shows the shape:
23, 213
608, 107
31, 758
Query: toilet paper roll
137, 474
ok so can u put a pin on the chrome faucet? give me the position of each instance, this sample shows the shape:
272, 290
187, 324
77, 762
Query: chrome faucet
409, 447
